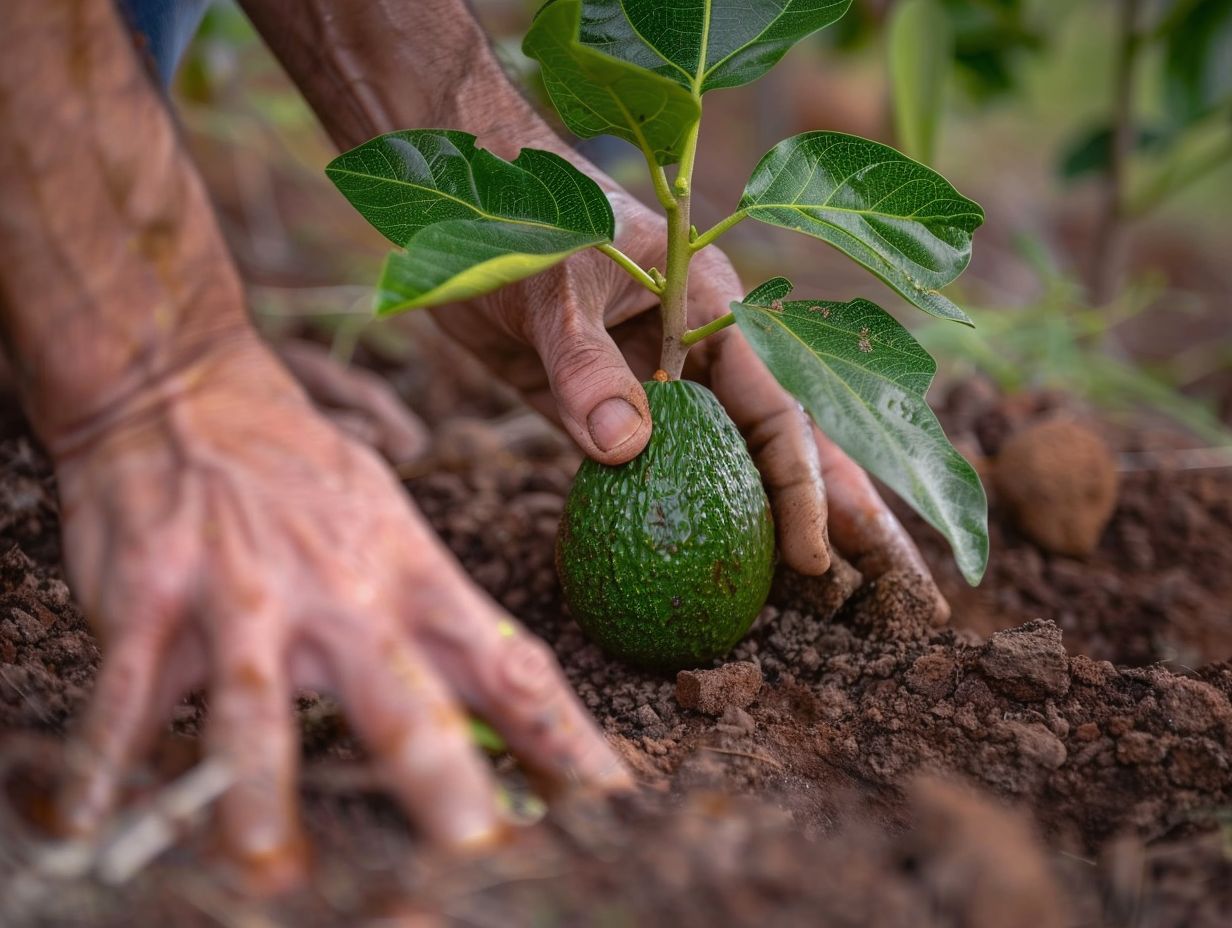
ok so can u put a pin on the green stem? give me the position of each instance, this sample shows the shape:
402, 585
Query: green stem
632, 267
674, 299
684, 177
709, 236
693, 336
1108, 252
675, 295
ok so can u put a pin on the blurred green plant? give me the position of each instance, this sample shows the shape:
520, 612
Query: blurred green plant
918, 71
1177, 53
1058, 342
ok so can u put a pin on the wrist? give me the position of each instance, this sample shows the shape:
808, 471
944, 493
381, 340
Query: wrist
74, 415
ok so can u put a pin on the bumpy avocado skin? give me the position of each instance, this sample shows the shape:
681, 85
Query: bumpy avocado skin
666, 561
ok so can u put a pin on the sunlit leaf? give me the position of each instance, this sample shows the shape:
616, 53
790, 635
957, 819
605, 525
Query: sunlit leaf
470, 221
862, 378
610, 65
598, 94
901, 220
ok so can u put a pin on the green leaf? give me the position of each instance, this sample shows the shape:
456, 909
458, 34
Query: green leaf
470, 221
610, 65
597, 94
921, 44
776, 288
1197, 59
862, 378
901, 220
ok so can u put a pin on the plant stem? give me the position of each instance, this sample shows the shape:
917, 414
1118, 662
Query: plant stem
718, 229
684, 176
676, 289
693, 336
1108, 252
632, 267
675, 296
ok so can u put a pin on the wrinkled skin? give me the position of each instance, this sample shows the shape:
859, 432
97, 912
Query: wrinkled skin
254, 550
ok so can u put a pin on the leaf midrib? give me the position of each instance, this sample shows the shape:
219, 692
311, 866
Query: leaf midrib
899, 452
483, 214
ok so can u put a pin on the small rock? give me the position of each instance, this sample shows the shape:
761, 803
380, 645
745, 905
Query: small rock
713, 691
1059, 481
647, 717
1027, 663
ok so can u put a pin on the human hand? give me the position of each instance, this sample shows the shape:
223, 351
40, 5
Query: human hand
219, 533
578, 340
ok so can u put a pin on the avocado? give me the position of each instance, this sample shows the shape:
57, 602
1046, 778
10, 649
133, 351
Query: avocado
665, 561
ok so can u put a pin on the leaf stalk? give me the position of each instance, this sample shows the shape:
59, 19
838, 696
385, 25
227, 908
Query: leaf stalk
631, 267
693, 336
710, 235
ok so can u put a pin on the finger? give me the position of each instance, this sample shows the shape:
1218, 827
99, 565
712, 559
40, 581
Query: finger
398, 433
420, 742
513, 680
864, 528
601, 403
123, 715
252, 729
780, 440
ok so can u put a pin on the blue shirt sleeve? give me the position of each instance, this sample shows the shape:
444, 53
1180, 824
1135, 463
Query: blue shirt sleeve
166, 27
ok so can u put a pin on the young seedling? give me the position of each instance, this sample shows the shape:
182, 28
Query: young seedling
666, 561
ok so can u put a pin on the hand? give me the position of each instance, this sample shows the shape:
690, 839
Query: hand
578, 340
221, 534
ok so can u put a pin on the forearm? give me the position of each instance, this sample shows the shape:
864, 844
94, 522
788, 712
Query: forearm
373, 66
114, 280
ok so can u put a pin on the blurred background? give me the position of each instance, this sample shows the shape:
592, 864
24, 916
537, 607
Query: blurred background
1097, 135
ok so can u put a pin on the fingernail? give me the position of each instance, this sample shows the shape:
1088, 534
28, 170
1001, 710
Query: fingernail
613, 422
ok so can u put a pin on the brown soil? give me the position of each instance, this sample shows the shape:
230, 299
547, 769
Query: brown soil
885, 773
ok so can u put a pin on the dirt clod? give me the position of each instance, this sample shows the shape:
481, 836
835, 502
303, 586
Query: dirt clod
733, 685
1059, 481
1027, 663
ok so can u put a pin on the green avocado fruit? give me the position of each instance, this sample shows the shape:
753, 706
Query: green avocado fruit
666, 561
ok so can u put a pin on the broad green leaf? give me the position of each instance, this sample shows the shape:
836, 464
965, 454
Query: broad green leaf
901, 220
1197, 59
862, 378
610, 65
921, 45
470, 221
598, 94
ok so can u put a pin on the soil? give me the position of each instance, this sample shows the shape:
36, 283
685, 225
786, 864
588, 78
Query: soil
1060, 754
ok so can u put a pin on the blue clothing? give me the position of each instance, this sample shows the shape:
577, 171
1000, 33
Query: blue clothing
167, 27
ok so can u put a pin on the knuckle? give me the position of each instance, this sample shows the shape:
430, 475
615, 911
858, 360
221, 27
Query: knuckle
526, 669
782, 433
582, 363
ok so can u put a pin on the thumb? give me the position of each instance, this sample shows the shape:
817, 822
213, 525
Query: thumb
601, 403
